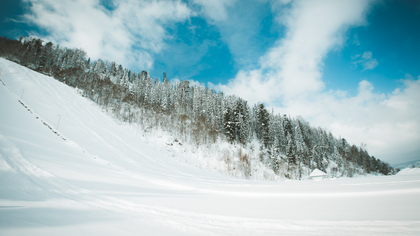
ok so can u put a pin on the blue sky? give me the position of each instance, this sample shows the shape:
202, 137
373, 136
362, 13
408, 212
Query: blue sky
348, 66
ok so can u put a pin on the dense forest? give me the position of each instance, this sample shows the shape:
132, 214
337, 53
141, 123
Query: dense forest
201, 117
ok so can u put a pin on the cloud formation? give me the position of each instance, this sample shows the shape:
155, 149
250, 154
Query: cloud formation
293, 67
215, 10
239, 24
366, 60
129, 32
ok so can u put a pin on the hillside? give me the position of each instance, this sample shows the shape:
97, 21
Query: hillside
222, 133
94, 176
410, 164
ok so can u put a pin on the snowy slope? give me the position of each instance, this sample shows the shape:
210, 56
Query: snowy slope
409, 164
409, 171
94, 176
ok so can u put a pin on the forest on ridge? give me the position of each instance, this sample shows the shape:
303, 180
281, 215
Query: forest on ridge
257, 139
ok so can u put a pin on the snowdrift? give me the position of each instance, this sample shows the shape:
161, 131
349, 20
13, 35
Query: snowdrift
89, 175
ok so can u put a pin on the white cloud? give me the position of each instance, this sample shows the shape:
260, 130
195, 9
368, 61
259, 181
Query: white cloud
365, 60
293, 67
250, 85
388, 123
215, 10
239, 24
356, 40
129, 33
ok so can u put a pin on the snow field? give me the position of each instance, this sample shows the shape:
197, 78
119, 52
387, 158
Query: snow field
95, 176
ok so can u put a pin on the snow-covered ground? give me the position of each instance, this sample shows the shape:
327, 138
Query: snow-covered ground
93, 176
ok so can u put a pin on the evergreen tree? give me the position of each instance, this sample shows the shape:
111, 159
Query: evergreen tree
45, 53
262, 125
275, 156
228, 124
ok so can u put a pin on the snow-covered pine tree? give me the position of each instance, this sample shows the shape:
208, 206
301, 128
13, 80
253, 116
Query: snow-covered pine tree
262, 125
275, 156
301, 149
45, 54
228, 124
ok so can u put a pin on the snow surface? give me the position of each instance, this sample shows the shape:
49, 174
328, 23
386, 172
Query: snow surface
94, 176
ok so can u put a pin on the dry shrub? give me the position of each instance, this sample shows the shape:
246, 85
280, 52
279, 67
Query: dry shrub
227, 159
244, 163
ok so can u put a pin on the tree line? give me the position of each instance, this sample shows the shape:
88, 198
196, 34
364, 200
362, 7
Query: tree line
200, 116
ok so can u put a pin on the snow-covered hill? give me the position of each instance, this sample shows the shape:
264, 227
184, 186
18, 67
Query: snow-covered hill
409, 171
89, 175
410, 164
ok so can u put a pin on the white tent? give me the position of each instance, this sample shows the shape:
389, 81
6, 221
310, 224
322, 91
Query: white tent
317, 175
